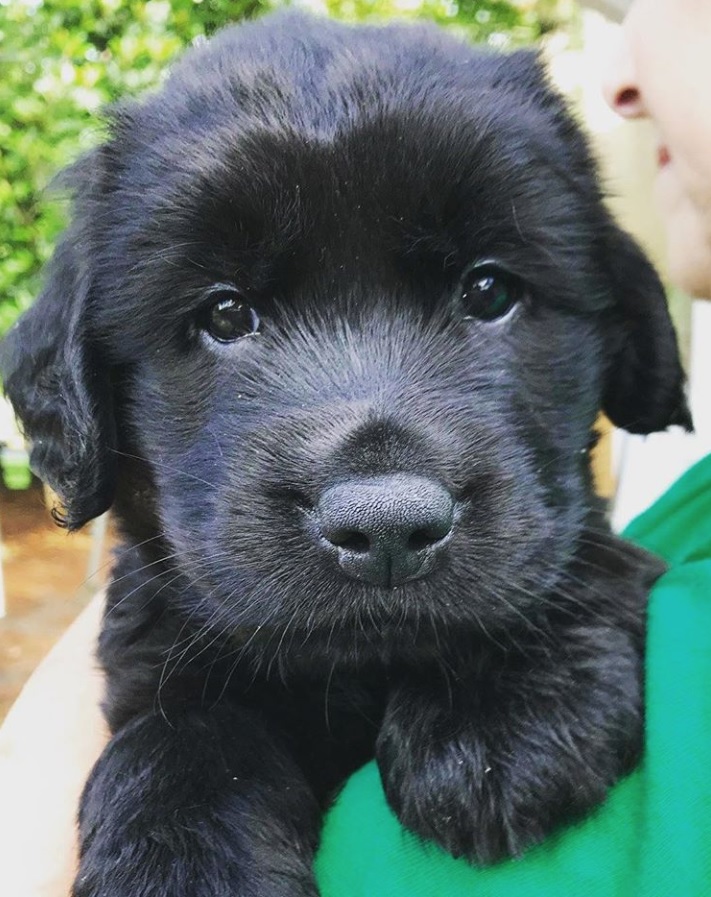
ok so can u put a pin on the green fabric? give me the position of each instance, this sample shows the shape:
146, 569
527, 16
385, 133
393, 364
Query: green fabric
652, 837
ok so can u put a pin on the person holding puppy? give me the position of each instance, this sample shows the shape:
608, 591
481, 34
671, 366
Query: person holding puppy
653, 836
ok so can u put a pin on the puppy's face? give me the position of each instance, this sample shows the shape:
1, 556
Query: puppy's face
358, 305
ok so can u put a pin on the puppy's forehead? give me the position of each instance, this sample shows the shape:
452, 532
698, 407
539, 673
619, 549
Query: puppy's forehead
399, 113
297, 136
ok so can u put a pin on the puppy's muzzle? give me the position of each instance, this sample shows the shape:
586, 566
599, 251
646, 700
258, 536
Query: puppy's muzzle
386, 530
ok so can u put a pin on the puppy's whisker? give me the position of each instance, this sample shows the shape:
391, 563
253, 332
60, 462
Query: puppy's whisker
501, 588
288, 629
137, 570
202, 635
585, 538
561, 599
194, 639
327, 691
331, 631
116, 557
478, 619
218, 656
228, 678
143, 584
166, 674
154, 462
225, 639
179, 643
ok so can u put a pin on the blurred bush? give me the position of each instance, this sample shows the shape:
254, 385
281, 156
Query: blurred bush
61, 61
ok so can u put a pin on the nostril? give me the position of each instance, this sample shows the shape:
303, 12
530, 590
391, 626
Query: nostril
351, 540
426, 537
627, 98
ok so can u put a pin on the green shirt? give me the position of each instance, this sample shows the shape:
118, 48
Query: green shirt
652, 837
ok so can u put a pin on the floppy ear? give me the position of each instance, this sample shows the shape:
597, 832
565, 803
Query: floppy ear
59, 387
644, 391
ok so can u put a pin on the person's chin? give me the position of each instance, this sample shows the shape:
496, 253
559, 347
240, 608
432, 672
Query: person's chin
685, 273
687, 238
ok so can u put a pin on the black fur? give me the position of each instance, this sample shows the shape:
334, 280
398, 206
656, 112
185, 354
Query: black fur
344, 179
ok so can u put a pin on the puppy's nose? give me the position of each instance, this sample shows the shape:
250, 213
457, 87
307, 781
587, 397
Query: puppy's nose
386, 530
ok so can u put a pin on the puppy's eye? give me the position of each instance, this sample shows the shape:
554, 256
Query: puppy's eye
488, 293
228, 317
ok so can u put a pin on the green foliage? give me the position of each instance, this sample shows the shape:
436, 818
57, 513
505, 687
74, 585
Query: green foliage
498, 22
61, 61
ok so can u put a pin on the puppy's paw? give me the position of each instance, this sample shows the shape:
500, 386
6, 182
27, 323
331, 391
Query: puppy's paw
109, 883
487, 792
207, 806
188, 863
450, 793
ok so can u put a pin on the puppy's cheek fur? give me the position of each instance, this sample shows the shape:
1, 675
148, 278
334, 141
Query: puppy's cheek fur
252, 551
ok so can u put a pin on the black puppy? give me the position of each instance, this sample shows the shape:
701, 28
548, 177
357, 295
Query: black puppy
330, 331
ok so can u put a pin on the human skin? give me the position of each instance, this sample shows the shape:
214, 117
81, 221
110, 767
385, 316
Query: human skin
662, 71
50, 740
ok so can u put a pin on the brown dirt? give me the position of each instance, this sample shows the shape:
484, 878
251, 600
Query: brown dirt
45, 585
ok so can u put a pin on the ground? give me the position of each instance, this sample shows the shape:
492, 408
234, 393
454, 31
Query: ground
45, 575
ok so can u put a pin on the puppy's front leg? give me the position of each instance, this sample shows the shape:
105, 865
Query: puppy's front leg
205, 805
488, 765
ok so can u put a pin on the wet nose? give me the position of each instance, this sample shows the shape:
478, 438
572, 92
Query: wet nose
386, 530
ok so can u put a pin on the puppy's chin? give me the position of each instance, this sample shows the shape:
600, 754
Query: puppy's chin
361, 641
321, 651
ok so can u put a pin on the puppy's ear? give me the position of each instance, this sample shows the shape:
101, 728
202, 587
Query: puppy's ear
59, 386
644, 391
